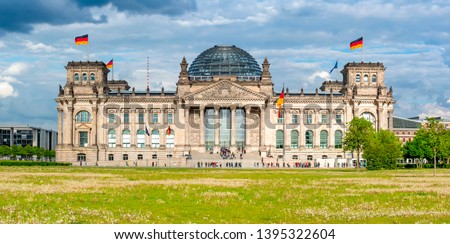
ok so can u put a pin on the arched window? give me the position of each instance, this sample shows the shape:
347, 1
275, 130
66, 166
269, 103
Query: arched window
358, 78
309, 139
338, 139
92, 77
81, 157
155, 138
294, 139
324, 139
112, 138
76, 77
374, 78
84, 77
83, 117
140, 138
110, 157
279, 139
366, 78
140, 156
368, 116
125, 157
126, 138
170, 138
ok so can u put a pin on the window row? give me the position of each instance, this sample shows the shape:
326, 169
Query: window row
140, 136
366, 78
139, 157
76, 77
85, 117
309, 119
112, 118
309, 139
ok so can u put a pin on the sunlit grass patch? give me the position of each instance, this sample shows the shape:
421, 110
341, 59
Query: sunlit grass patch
163, 195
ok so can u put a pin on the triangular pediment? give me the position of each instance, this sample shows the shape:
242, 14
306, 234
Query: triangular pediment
225, 90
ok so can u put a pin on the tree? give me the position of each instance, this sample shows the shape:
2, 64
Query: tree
383, 151
437, 139
360, 132
5, 151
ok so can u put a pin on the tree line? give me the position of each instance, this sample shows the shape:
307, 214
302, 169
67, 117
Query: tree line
27, 152
382, 149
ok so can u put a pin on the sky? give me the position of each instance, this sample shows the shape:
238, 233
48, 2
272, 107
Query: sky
301, 39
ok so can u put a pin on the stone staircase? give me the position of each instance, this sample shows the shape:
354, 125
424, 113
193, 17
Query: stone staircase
248, 160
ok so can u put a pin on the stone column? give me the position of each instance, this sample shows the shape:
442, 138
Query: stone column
247, 127
202, 126
133, 114
70, 126
94, 127
233, 127
262, 126
216, 126
186, 126
60, 126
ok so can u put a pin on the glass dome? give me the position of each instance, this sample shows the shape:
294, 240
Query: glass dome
222, 60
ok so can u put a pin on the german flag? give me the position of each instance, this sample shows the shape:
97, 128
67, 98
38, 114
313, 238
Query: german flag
168, 131
109, 65
81, 40
280, 102
358, 43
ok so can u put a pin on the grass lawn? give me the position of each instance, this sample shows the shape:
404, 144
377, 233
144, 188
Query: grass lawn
150, 195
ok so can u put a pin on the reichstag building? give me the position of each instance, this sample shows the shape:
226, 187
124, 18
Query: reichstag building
223, 112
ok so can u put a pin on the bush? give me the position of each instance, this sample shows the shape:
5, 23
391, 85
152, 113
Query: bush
31, 163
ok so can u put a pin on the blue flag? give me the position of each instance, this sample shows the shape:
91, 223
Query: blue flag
335, 67
146, 131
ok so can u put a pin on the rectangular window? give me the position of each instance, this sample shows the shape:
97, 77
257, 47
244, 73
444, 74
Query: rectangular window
83, 138
338, 119
141, 118
141, 140
111, 118
295, 119
324, 118
309, 119
111, 157
280, 120
169, 118
155, 119
126, 118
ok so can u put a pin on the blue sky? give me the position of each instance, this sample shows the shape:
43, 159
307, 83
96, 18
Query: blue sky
301, 39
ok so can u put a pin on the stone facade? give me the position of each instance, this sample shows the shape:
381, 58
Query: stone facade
103, 122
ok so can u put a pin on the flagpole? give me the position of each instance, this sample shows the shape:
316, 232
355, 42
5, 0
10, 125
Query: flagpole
284, 131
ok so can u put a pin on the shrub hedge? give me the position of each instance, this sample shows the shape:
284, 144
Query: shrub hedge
31, 163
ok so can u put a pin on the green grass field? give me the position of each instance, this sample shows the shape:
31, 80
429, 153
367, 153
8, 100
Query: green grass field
146, 195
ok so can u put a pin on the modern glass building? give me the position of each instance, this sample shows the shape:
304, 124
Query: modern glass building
28, 135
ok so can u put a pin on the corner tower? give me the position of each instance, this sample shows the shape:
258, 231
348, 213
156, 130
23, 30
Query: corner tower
364, 87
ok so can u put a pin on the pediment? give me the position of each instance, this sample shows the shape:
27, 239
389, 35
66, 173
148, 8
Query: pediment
225, 90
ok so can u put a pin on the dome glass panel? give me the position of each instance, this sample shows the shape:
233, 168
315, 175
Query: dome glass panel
224, 61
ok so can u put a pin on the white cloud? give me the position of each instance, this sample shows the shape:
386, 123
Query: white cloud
448, 101
7, 90
2, 44
8, 79
434, 110
16, 69
39, 47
